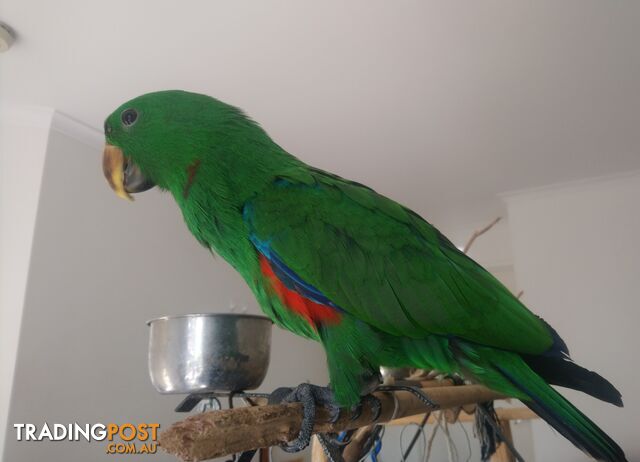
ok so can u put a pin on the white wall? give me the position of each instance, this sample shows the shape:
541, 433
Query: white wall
577, 258
24, 131
100, 268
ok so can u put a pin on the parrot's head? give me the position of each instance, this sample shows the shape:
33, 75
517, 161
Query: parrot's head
152, 140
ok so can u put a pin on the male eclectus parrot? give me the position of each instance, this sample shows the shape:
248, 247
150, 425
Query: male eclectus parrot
336, 262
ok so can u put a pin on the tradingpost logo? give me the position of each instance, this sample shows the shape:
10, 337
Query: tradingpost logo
126, 438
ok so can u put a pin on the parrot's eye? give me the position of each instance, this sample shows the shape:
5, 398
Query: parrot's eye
129, 117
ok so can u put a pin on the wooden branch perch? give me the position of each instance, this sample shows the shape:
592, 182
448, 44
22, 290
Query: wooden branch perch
219, 433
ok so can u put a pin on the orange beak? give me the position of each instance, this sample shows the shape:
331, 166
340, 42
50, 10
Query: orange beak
113, 168
123, 175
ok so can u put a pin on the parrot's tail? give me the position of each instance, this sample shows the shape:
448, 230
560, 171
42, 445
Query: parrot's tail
559, 370
559, 412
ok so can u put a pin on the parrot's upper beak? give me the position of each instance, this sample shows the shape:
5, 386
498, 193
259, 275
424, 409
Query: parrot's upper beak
123, 175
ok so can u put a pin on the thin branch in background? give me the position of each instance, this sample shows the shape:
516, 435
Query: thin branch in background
479, 232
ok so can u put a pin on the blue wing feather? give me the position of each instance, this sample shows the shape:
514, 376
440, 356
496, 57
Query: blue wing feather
290, 279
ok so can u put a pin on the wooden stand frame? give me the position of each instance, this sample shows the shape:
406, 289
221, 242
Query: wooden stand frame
505, 416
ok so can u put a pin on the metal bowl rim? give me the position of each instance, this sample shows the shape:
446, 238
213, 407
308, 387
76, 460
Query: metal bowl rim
208, 315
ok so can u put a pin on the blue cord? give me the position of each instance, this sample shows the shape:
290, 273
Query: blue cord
376, 450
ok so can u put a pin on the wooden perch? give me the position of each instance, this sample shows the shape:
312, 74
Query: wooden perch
503, 413
219, 433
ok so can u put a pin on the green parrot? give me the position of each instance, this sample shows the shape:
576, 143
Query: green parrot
334, 261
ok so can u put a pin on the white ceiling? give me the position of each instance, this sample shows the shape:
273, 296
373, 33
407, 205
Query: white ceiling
438, 104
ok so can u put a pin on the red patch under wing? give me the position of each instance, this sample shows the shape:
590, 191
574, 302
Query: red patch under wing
313, 312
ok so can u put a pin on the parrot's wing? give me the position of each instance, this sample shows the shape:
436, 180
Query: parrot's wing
385, 265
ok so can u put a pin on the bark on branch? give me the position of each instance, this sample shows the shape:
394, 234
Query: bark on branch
219, 433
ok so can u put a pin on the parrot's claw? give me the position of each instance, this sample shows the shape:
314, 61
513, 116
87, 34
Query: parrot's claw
374, 404
310, 396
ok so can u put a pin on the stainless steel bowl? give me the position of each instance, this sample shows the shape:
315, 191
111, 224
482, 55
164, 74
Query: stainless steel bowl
208, 352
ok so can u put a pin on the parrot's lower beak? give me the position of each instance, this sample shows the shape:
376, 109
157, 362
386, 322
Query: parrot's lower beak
123, 175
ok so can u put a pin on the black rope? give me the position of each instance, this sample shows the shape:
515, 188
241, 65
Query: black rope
496, 428
406, 454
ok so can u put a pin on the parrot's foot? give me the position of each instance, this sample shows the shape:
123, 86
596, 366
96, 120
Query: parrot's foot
310, 396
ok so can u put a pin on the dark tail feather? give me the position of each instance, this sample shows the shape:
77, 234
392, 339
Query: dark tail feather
565, 373
611, 453
563, 416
